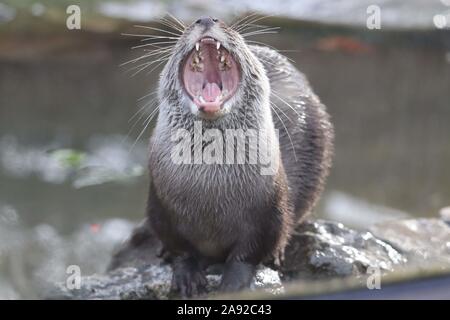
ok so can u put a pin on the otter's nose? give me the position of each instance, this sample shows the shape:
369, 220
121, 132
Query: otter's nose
206, 22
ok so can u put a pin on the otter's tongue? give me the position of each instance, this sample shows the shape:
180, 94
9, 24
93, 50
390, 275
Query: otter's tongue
211, 95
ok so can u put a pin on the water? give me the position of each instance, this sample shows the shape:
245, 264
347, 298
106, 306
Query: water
389, 100
394, 13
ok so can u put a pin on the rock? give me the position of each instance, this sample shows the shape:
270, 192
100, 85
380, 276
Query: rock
141, 249
445, 212
151, 282
142, 283
318, 250
324, 249
423, 242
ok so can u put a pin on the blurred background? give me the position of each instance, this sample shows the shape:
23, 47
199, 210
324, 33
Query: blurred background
73, 141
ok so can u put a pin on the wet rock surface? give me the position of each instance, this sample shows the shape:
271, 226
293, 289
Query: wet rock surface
137, 271
324, 249
318, 250
151, 282
421, 241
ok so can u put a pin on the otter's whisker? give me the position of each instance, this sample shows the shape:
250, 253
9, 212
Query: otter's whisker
158, 29
263, 31
281, 110
147, 122
171, 25
236, 25
147, 55
153, 45
272, 47
245, 21
156, 66
135, 35
141, 67
287, 132
152, 37
163, 57
148, 95
156, 51
256, 34
158, 42
150, 103
150, 53
260, 29
141, 111
253, 20
142, 114
253, 27
176, 20
149, 36
267, 61
285, 102
144, 66
153, 52
266, 45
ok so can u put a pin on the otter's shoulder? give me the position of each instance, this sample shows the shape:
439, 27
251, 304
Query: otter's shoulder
281, 72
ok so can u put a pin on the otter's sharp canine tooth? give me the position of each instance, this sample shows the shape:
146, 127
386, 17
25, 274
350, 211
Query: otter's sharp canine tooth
197, 46
218, 45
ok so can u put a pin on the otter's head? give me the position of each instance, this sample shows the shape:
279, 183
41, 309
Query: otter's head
212, 73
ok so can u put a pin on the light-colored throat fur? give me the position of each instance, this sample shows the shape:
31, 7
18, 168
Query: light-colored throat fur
212, 189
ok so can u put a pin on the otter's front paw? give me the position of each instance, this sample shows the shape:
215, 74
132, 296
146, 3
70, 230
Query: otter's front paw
187, 279
237, 276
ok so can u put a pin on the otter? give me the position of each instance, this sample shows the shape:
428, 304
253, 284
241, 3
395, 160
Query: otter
232, 213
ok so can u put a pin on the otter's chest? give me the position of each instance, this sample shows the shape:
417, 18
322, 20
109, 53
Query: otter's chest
210, 204
210, 189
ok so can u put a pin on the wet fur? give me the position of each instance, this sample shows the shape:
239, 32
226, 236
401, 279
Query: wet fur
232, 213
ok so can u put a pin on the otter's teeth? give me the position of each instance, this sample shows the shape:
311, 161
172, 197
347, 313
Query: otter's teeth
196, 65
224, 63
196, 59
197, 46
218, 45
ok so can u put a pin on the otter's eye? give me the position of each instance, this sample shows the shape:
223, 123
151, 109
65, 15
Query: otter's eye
215, 19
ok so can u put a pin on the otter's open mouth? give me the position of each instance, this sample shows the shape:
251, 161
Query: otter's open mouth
210, 75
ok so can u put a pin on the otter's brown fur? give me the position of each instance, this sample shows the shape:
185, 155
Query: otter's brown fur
231, 213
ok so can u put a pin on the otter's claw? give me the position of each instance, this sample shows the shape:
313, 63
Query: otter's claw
188, 280
237, 276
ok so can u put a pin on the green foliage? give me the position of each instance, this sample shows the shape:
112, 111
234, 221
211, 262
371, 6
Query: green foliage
69, 158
